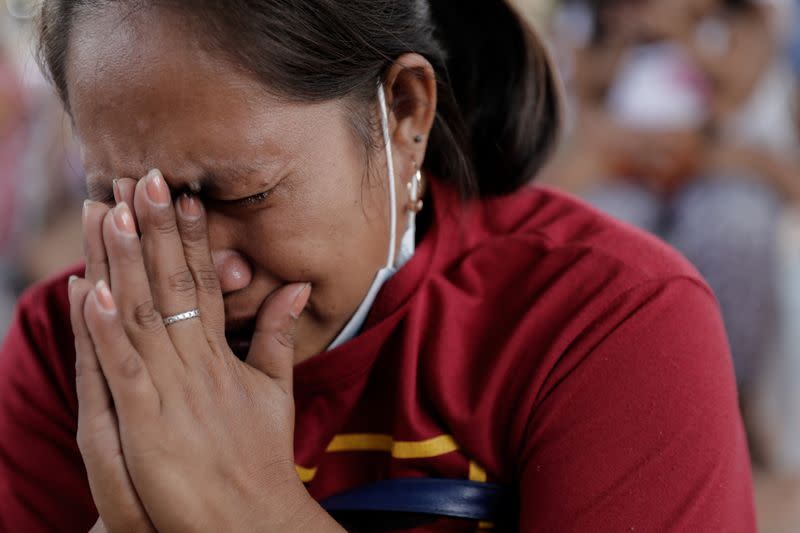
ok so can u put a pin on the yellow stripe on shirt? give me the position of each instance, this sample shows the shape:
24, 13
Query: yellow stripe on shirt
305, 474
361, 442
476, 473
376, 442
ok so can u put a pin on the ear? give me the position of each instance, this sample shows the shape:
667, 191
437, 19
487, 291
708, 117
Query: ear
411, 97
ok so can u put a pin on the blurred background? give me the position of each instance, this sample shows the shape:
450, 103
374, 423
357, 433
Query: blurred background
683, 119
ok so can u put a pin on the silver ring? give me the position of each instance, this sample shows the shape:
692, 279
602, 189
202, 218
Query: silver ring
180, 317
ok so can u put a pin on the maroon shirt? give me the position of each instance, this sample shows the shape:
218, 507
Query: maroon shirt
530, 341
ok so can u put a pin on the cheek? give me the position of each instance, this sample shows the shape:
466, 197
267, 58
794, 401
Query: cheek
334, 237
322, 221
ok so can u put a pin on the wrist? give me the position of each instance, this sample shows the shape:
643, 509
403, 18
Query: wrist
310, 516
290, 509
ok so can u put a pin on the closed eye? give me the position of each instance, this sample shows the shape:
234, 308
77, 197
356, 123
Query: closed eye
248, 201
254, 199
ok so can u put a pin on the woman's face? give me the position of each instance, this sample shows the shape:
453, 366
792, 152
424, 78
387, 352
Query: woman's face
144, 95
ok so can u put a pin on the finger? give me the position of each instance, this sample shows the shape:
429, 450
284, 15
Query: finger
94, 250
272, 348
99, 527
94, 401
124, 189
194, 235
133, 298
98, 430
171, 280
136, 399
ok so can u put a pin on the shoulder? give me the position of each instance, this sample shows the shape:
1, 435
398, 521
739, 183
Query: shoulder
554, 272
38, 415
560, 226
545, 270
555, 292
585, 333
40, 342
44, 307
543, 253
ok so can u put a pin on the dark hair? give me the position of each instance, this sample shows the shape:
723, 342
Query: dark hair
499, 111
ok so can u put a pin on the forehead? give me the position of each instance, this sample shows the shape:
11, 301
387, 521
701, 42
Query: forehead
143, 91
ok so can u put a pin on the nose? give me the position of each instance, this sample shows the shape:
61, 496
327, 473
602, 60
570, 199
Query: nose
233, 270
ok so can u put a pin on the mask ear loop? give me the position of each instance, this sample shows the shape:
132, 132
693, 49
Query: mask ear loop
387, 141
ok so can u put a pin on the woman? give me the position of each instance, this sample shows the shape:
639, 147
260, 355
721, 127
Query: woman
685, 136
509, 337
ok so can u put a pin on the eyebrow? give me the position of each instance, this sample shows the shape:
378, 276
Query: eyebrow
213, 179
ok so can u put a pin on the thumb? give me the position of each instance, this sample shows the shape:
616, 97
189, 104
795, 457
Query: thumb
272, 347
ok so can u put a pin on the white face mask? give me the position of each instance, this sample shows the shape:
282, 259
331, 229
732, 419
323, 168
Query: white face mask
394, 260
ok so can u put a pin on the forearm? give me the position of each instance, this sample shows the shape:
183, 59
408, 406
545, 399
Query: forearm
312, 517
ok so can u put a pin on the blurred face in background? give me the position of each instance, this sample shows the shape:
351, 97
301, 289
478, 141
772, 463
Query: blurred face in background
732, 46
673, 19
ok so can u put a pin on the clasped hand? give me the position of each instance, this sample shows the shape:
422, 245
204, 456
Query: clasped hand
178, 434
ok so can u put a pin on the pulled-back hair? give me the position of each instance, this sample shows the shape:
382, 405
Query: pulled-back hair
499, 107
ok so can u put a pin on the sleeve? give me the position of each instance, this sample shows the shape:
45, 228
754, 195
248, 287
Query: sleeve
43, 485
639, 428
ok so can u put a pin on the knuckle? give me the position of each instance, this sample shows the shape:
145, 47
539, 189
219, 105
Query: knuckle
84, 369
207, 280
181, 282
162, 224
192, 230
131, 365
127, 253
285, 338
84, 440
146, 318
88, 437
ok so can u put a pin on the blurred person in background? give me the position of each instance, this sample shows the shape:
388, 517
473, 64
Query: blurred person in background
682, 129
774, 415
13, 134
41, 181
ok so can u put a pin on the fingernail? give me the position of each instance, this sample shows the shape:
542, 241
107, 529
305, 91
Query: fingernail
87, 204
157, 190
104, 297
72, 280
300, 300
189, 207
117, 193
124, 219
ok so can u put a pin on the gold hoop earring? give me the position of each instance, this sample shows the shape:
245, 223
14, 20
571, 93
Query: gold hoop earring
416, 191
